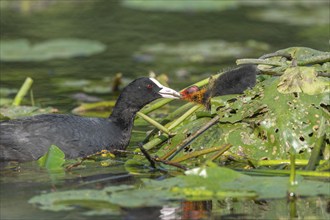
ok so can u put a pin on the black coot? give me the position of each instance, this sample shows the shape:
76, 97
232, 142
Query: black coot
29, 138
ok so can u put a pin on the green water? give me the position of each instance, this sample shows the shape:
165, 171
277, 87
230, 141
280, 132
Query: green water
124, 31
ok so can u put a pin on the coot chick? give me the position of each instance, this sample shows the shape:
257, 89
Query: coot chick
235, 81
29, 138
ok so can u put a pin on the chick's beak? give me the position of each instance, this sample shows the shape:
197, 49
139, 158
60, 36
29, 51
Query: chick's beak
166, 92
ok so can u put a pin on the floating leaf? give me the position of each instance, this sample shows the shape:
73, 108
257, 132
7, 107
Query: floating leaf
64, 201
22, 50
5, 101
98, 89
220, 178
74, 83
179, 5
97, 108
295, 16
53, 159
203, 51
7, 91
13, 112
199, 184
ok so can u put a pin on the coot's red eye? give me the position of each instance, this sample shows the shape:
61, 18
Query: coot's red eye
149, 86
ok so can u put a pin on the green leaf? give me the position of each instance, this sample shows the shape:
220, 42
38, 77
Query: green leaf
13, 112
199, 184
187, 5
201, 51
53, 159
63, 201
21, 49
303, 79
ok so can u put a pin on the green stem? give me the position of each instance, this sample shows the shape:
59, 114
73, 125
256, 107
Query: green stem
32, 97
315, 60
223, 149
156, 141
169, 118
320, 143
200, 153
153, 122
258, 61
183, 117
192, 137
155, 105
179, 111
22, 92
299, 172
293, 169
280, 162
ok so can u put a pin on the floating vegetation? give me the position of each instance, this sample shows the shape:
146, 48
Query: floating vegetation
277, 12
199, 184
11, 109
22, 50
179, 5
202, 51
98, 108
295, 16
12, 112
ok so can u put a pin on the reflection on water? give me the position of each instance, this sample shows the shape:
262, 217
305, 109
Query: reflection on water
126, 32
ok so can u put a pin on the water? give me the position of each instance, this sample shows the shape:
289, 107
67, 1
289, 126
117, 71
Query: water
124, 31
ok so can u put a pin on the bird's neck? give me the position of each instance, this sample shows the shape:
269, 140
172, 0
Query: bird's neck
123, 114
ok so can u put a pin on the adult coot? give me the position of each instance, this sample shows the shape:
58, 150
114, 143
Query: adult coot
29, 138
235, 81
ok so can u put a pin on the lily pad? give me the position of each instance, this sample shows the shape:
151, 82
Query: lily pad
7, 91
13, 112
180, 5
64, 201
295, 16
98, 108
215, 178
203, 51
22, 50
199, 184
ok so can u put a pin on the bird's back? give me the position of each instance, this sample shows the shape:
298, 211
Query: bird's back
235, 81
29, 138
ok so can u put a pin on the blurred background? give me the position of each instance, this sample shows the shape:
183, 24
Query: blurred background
81, 45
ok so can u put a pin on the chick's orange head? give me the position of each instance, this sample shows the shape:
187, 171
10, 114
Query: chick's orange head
193, 94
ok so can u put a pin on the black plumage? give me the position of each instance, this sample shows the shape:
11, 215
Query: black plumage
29, 138
235, 81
